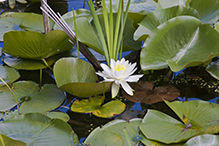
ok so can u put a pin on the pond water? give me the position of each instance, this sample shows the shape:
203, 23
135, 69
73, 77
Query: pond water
194, 83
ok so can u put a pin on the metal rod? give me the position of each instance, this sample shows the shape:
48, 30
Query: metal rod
62, 24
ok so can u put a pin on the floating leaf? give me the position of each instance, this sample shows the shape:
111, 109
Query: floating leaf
88, 28
93, 105
216, 26
135, 5
34, 45
145, 93
179, 45
7, 141
157, 17
76, 76
205, 139
38, 129
213, 69
58, 115
208, 10
198, 116
33, 99
9, 75
27, 64
171, 3
115, 132
25, 21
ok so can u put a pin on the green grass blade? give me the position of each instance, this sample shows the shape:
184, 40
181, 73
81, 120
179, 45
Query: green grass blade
76, 33
99, 30
117, 30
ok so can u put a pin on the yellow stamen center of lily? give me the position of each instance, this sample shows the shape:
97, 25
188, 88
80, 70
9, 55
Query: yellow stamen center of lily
119, 67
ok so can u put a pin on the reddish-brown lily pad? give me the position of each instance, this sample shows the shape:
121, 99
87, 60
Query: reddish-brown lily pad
145, 93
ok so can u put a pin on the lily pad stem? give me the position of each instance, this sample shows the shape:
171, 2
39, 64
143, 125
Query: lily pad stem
168, 75
46, 64
11, 92
127, 137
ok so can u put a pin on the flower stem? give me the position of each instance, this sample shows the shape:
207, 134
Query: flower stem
44, 61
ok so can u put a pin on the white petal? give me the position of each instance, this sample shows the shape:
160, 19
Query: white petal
128, 72
133, 78
127, 88
115, 89
108, 80
118, 74
100, 74
112, 63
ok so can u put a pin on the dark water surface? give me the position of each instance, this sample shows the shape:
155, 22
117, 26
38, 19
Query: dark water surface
194, 83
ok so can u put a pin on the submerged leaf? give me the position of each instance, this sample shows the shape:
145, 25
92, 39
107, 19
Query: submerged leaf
145, 93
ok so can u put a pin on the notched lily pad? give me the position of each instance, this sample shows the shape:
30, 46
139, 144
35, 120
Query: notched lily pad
9, 75
213, 69
115, 132
198, 117
178, 45
27, 64
35, 45
11, 21
93, 105
76, 76
33, 98
157, 17
7, 141
145, 93
58, 115
38, 129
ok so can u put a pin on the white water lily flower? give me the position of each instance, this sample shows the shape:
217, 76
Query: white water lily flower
119, 73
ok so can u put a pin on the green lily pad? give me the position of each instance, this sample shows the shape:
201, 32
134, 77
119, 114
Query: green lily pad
58, 115
33, 98
171, 3
9, 75
34, 45
178, 45
7, 141
10, 21
208, 10
68, 17
113, 133
213, 69
157, 17
88, 28
135, 5
205, 139
93, 105
76, 76
216, 26
38, 129
27, 64
199, 117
